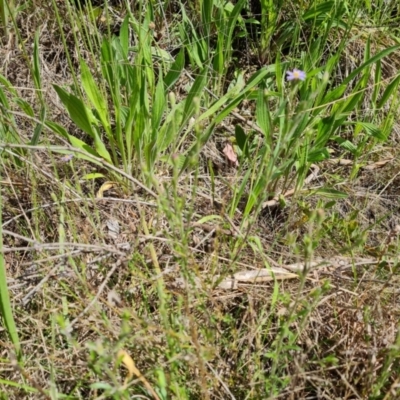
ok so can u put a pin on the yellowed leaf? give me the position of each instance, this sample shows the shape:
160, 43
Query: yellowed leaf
104, 187
256, 276
127, 360
129, 364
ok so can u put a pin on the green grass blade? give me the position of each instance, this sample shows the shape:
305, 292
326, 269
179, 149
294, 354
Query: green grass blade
5, 303
339, 91
39, 127
36, 63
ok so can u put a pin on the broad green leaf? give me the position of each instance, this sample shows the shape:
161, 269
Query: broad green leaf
241, 137
110, 71
353, 101
77, 110
316, 10
279, 75
175, 70
95, 96
75, 142
346, 144
124, 36
101, 148
318, 155
263, 116
206, 13
218, 61
372, 130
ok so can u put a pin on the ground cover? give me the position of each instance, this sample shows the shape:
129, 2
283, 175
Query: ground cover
200, 200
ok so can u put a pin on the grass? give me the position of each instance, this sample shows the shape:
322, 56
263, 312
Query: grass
180, 220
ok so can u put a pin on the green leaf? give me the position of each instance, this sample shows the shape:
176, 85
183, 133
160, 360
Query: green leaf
6, 310
193, 150
330, 193
338, 92
177, 162
241, 137
346, 144
159, 103
75, 142
214, 107
124, 36
92, 176
101, 386
262, 114
36, 63
392, 87
175, 71
84, 119
38, 128
279, 74
206, 13
209, 218
372, 130
170, 128
101, 148
232, 20
316, 10
95, 96
25, 107
77, 110
318, 155
254, 80
196, 91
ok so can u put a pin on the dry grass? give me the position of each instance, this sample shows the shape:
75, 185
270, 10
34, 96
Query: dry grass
329, 334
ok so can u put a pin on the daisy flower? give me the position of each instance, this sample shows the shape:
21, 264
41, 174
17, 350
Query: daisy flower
66, 158
296, 75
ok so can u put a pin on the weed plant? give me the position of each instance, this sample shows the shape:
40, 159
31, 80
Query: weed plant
199, 199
